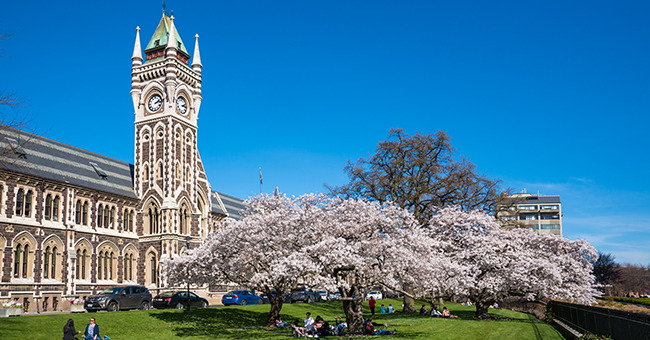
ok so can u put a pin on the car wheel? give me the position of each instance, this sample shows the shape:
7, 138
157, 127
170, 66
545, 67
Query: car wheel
112, 307
243, 302
144, 305
179, 306
204, 304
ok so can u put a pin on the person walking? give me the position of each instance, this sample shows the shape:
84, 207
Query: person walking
371, 303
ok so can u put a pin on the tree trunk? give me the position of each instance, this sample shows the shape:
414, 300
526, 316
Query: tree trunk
354, 315
482, 309
409, 304
276, 307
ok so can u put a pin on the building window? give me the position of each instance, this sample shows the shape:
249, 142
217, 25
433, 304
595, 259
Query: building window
22, 259
152, 219
550, 226
46, 263
550, 207
146, 172
17, 257
550, 217
48, 207
84, 214
106, 217
55, 209
527, 207
111, 220
153, 268
77, 213
78, 265
49, 263
527, 217
83, 264
183, 219
100, 214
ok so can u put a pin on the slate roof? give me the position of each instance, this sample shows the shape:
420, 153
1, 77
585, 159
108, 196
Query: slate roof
49, 159
53, 160
227, 205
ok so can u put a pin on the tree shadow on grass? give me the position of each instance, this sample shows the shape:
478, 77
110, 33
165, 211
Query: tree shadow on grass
224, 322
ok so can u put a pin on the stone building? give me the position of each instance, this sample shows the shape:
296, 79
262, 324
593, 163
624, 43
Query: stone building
73, 222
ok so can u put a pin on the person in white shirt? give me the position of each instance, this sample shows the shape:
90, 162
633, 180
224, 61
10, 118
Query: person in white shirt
309, 322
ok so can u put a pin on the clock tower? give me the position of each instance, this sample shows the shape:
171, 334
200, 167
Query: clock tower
168, 176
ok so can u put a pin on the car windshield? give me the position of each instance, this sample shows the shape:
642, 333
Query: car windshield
321, 292
166, 294
234, 292
114, 290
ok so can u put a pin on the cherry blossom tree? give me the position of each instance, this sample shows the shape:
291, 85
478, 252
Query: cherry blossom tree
505, 263
262, 251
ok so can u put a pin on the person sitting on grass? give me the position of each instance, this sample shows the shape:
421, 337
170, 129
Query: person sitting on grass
280, 324
92, 331
391, 309
370, 329
382, 309
423, 311
324, 328
298, 331
447, 314
309, 322
435, 312
69, 332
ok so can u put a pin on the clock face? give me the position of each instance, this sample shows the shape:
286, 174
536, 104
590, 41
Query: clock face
155, 103
181, 104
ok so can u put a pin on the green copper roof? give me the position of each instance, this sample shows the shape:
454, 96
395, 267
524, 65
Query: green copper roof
162, 34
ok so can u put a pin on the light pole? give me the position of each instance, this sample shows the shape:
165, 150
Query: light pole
187, 248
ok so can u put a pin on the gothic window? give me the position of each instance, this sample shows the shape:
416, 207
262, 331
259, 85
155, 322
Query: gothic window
152, 219
17, 256
131, 221
46, 263
84, 214
106, 217
48, 207
23, 257
78, 265
20, 200
111, 220
100, 216
100, 262
28, 203
77, 213
152, 277
50, 260
110, 266
55, 209
106, 262
146, 172
53, 263
183, 217
84, 256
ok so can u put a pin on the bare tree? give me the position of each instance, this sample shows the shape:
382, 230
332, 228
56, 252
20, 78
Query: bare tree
606, 271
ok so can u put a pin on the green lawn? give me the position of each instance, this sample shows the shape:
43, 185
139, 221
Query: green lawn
247, 323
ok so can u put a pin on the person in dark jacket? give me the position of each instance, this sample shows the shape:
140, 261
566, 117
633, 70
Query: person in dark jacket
69, 332
92, 331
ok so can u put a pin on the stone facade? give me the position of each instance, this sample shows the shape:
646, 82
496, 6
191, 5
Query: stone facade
73, 222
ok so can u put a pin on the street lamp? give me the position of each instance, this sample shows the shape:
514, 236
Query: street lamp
187, 248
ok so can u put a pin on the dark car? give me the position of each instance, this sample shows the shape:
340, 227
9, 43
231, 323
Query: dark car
179, 300
119, 298
241, 297
304, 295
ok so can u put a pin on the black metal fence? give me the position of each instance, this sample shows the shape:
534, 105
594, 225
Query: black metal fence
619, 325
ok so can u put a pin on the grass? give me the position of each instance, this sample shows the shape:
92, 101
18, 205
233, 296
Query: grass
247, 323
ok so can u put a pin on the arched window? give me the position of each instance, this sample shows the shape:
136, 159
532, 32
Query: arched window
153, 275
78, 265
111, 220
55, 209
84, 214
20, 200
46, 263
183, 216
53, 263
48, 207
106, 217
17, 258
131, 267
100, 262
146, 172
77, 213
110, 266
131, 221
100, 216
28, 203
83, 265
25, 259
105, 265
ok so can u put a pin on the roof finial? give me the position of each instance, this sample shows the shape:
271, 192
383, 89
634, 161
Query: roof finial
163, 6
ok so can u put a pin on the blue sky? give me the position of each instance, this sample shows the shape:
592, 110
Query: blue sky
550, 95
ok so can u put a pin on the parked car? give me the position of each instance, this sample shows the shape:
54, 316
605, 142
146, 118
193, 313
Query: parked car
377, 295
323, 294
241, 297
304, 295
265, 298
179, 300
335, 295
119, 298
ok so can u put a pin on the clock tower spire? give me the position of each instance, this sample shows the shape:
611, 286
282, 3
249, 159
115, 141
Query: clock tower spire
169, 175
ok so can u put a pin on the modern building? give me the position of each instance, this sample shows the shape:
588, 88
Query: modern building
524, 210
73, 222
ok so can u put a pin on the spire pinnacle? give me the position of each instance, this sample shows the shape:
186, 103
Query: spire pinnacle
171, 41
137, 49
196, 58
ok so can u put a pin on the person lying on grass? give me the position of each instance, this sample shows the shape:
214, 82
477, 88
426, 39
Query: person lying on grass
370, 329
281, 324
447, 314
